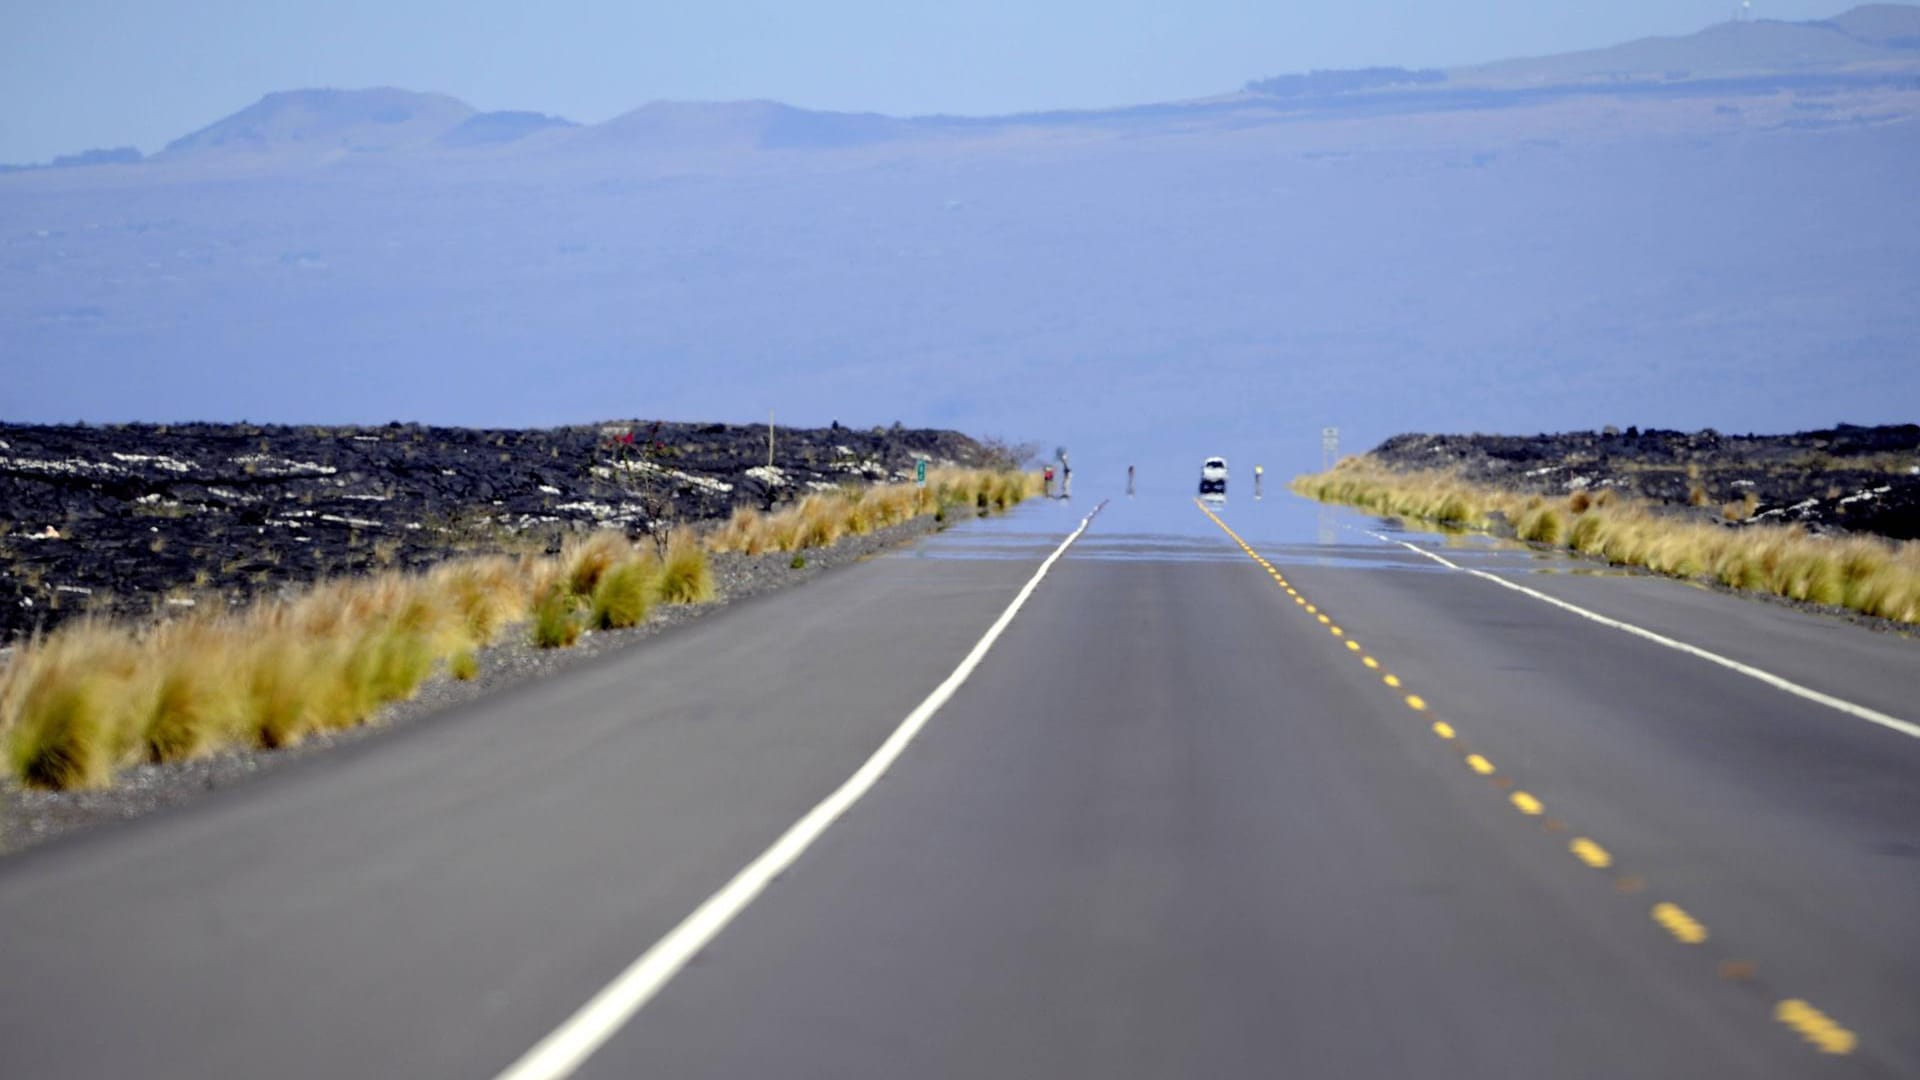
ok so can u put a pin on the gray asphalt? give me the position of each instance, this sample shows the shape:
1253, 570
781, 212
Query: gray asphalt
1172, 826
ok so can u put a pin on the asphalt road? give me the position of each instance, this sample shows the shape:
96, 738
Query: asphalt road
1172, 825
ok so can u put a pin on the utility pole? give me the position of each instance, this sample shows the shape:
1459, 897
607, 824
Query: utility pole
769, 438
1258, 473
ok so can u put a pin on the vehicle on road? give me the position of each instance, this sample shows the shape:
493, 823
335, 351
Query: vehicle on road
1213, 476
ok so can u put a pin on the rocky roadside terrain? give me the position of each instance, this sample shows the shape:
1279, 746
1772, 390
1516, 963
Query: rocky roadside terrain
1846, 479
139, 519
29, 817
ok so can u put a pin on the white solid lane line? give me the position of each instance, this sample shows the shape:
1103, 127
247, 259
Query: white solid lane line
1875, 716
570, 1044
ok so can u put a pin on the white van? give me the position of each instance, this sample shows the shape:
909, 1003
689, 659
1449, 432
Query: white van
1213, 476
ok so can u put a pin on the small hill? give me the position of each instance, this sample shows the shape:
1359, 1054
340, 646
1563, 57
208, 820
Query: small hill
329, 120
1890, 26
496, 128
1725, 49
743, 125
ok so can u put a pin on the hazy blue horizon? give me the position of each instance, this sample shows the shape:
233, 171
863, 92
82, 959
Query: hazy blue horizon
107, 73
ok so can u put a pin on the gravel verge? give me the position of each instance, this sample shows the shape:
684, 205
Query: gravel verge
30, 817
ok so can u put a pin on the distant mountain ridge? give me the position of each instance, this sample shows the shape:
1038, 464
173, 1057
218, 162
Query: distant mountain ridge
1872, 41
1671, 235
383, 118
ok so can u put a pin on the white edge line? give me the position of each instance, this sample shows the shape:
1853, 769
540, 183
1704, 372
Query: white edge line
1860, 711
570, 1044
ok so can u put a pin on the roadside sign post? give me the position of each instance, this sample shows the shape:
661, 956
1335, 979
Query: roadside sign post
920, 472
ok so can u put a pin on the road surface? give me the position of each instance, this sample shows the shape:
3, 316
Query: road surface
1171, 823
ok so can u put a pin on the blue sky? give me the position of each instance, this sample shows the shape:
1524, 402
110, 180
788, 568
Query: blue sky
76, 74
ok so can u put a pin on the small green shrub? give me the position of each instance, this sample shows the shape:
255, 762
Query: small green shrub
556, 620
62, 738
464, 665
799, 563
194, 711
686, 578
624, 594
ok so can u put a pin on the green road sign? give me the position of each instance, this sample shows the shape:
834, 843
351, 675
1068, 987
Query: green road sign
920, 472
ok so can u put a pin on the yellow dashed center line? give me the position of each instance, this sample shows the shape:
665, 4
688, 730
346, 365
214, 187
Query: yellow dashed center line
1590, 853
1684, 927
1815, 1026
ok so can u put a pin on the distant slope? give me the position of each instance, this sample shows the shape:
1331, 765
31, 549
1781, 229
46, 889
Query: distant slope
737, 125
1890, 26
329, 120
496, 128
1726, 49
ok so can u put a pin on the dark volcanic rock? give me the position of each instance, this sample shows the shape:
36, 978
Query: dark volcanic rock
1854, 479
136, 519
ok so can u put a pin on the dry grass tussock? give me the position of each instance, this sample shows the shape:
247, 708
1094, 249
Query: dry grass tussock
94, 697
823, 517
1865, 573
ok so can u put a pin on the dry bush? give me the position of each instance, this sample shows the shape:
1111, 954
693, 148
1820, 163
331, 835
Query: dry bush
587, 558
686, 578
1867, 574
626, 592
92, 698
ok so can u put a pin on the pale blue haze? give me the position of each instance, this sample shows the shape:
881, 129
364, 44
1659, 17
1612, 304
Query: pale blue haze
76, 74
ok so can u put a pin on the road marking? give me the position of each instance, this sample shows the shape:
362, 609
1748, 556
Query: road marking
1894, 723
1812, 1024
1815, 1026
570, 1044
1684, 927
1590, 853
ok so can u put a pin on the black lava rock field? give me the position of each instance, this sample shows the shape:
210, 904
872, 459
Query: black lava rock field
138, 519
1845, 479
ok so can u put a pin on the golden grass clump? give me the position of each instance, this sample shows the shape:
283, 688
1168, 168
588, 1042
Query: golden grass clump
92, 698
1868, 574
686, 577
625, 593
586, 559
557, 621
62, 698
822, 518
197, 704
